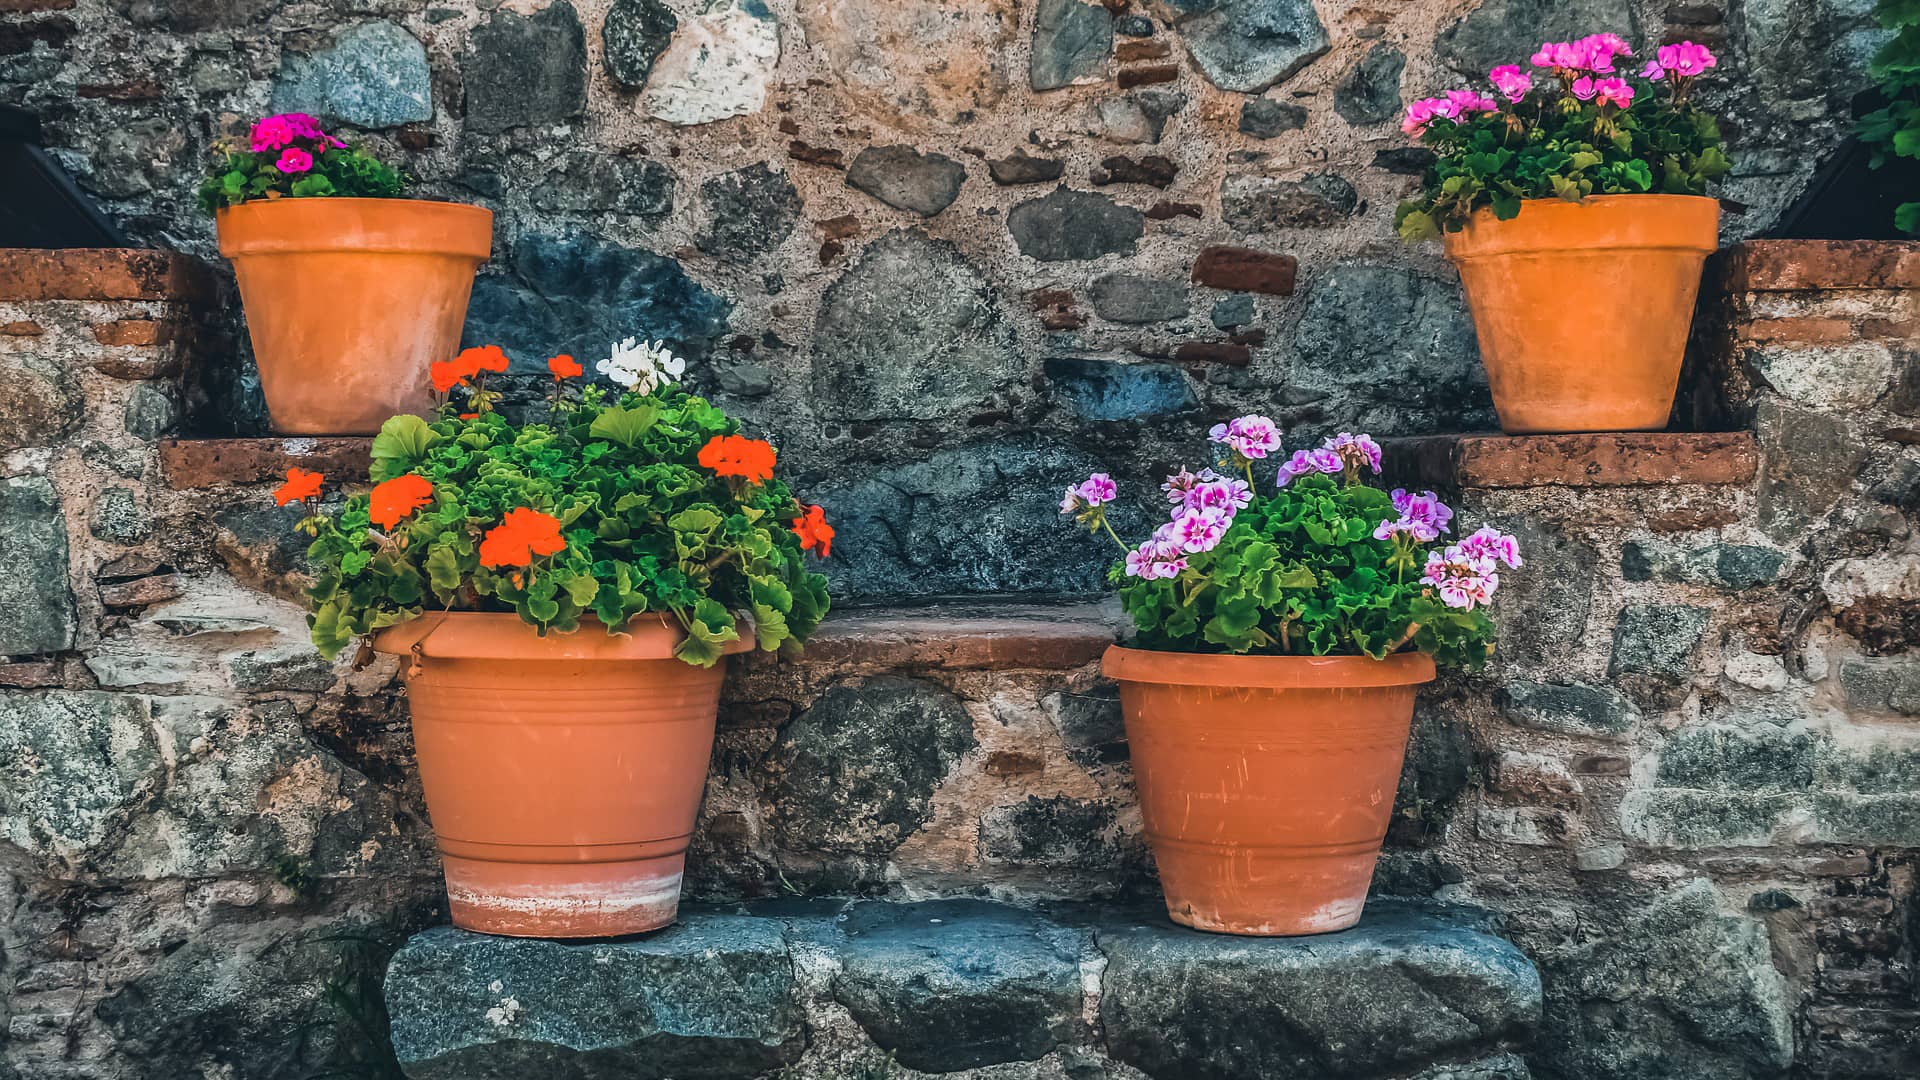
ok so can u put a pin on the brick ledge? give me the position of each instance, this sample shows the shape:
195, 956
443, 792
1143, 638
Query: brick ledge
1795, 265
204, 463
35, 274
1611, 459
972, 635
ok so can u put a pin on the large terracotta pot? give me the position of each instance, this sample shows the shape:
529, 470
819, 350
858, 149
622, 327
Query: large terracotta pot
1583, 308
349, 300
563, 774
1266, 782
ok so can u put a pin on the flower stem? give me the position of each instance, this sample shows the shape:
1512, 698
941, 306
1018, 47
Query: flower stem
1115, 536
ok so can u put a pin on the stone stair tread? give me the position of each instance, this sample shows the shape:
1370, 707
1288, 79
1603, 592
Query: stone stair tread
1604, 459
953, 986
973, 635
202, 463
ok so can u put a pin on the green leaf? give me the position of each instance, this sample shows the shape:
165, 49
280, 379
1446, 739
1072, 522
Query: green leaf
400, 446
625, 426
1906, 218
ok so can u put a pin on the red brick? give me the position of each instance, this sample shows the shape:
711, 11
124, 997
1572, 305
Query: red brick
839, 228
1148, 75
1612, 459
1214, 352
23, 328
1131, 52
122, 92
1166, 211
1014, 763
141, 592
815, 155
203, 463
1245, 270
30, 673
139, 366
102, 274
975, 637
1807, 329
133, 332
1793, 265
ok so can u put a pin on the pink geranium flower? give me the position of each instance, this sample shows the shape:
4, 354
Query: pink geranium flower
1685, 58
1511, 80
1098, 489
1214, 492
1491, 543
1461, 581
1584, 88
1466, 101
1559, 54
1356, 451
1251, 437
294, 160
1423, 517
1613, 92
270, 133
1309, 462
1200, 530
1653, 71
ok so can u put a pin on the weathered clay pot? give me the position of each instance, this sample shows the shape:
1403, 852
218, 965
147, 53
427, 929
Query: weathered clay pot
562, 774
349, 300
1266, 782
1583, 308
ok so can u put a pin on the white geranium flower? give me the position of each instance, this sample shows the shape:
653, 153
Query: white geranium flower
642, 366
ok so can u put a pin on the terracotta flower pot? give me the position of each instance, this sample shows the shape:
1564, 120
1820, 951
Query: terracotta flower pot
349, 300
563, 774
1583, 308
1266, 782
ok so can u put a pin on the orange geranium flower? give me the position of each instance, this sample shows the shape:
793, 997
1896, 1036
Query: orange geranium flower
482, 358
814, 532
737, 455
446, 375
565, 367
521, 535
301, 485
392, 501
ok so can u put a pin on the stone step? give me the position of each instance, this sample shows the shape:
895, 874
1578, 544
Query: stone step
838, 988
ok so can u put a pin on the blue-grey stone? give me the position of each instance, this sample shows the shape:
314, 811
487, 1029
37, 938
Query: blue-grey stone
906, 179
583, 181
373, 76
118, 518
1233, 312
1721, 757
1370, 93
856, 772
963, 521
1266, 203
1657, 639
1250, 45
36, 607
1108, 390
1068, 226
961, 984
911, 331
750, 212
1405, 986
713, 996
1138, 299
633, 36
579, 294
1071, 41
1727, 566
1599, 712
1508, 31
1265, 118
526, 69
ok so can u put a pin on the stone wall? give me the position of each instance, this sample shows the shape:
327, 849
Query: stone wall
947, 250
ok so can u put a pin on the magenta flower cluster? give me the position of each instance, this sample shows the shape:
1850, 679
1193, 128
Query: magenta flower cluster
1586, 68
1251, 437
282, 131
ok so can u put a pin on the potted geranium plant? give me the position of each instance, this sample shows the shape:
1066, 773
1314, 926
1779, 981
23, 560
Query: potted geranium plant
1280, 635
561, 594
1572, 201
350, 290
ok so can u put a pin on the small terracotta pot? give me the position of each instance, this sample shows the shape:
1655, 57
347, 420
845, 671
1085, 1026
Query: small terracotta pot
1583, 308
563, 774
349, 300
1266, 782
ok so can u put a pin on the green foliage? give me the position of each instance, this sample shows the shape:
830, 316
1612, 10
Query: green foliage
1300, 573
647, 529
1551, 144
1894, 130
240, 174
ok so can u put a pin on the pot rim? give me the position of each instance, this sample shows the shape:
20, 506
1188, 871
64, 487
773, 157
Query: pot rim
1689, 223
1123, 664
334, 223
502, 635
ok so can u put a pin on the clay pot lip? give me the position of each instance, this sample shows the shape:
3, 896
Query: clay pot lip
332, 223
496, 635
1642, 222
1265, 672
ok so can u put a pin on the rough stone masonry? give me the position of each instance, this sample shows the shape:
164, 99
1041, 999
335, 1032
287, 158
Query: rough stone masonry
946, 252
